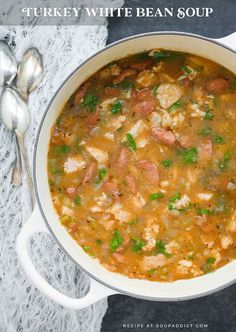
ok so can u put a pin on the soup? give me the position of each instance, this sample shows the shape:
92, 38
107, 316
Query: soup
141, 166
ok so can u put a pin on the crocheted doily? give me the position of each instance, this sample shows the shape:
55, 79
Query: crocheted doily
22, 307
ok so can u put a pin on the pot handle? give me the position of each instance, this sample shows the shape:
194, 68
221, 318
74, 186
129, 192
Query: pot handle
229, 40
35, 224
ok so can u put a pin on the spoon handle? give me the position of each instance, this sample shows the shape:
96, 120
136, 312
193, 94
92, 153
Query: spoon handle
16, 178
26, 169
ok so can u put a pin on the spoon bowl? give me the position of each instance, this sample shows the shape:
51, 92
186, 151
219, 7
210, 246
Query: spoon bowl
30, 72
14, 111
8, 65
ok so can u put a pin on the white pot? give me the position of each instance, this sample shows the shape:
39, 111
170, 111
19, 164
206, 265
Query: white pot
45, 219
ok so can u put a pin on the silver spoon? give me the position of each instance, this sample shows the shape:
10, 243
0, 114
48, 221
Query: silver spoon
8, 70
30, 72
29, 76
8, 65
16, 117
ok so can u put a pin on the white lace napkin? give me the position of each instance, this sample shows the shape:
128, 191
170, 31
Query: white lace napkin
22, 307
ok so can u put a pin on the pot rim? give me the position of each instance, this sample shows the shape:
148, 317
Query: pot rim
122, 292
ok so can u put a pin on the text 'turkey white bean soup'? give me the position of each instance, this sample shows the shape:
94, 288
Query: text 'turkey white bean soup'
142, 162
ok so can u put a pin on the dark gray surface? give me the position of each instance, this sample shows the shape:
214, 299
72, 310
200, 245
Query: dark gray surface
217, 310
221, 23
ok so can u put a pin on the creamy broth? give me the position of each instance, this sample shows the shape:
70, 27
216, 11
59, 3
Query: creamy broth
141, 166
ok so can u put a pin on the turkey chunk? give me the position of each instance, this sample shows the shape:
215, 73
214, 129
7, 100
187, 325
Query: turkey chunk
168, 94
150, 233
232, 223
119, 213
226, 241
146, 78
73, 164
153, 262
99, 155
138, 128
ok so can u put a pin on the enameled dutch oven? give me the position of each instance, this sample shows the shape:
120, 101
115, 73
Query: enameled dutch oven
45, 219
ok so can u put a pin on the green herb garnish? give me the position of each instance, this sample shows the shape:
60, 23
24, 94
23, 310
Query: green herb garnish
161, 249
223, 163
101, 175
77, 200
133, 222
151, 272
116, 107
62, 149
205, 131
137, 245
211, 260
116, 241
172, 200
175, 198
99, 242
186, 69
208, 115
158, 195
154, 89
86, 248
167, 163
204, 211
131, 144
190, 155
126, 84
164, 55
175, 106
55, 171
90, 101
219, 139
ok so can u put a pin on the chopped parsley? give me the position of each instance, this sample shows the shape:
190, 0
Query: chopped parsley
175, 106
167, 163
116, 241
99, 242
133, 221
154, 89
208, 115
86, 248
211, 260
172, 200
137, 245
151, 272
116, 107
101, 176
131, 144
56, 170
205, 131
90, 101
77, 200
203, 211
219, 139
62, 149
158, 195
126, 84
161, 249
186, 69
190, 155
175, 198
223, 163
164, 55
